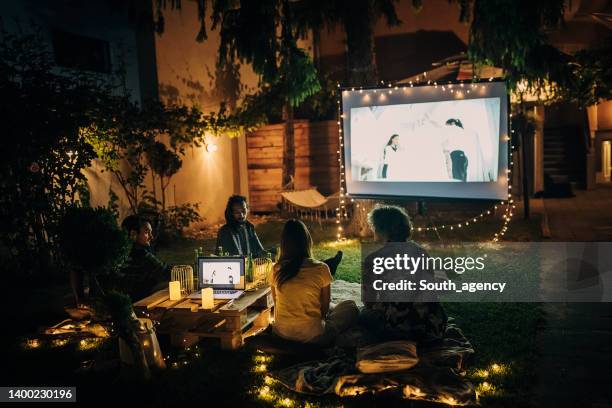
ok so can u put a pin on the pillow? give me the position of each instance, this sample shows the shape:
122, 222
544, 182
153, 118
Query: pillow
387, 357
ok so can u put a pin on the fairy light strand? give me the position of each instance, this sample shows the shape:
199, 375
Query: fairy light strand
458, 90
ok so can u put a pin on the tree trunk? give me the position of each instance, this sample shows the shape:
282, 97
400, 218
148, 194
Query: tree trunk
361, 58
163, 193
288, 148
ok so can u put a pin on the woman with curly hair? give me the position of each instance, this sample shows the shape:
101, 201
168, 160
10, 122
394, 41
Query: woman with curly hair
422, 320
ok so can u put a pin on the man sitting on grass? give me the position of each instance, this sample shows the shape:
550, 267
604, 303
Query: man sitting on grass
143, 271
238, 237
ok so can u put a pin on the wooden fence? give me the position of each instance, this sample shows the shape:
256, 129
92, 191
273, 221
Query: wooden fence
316, 161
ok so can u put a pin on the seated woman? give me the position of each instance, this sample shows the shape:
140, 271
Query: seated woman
302, 292
420, 321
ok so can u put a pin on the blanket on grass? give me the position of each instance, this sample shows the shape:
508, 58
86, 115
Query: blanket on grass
438, 376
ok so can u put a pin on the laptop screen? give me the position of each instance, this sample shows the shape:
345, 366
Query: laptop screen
219, 272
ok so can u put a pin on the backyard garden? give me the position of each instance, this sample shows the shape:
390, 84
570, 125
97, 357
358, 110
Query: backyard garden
103, 260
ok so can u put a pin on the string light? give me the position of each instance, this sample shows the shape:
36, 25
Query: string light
341, 210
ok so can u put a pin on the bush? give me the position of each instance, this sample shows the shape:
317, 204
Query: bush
91, 240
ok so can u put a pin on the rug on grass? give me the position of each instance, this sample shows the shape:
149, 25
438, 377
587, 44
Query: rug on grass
438, 376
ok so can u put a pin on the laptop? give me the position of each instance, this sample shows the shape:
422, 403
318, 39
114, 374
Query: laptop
224, 274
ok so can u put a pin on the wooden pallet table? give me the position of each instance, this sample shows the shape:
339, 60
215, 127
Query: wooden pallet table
229, 321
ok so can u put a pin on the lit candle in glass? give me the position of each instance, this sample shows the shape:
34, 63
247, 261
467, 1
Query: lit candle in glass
175, 290
208, 301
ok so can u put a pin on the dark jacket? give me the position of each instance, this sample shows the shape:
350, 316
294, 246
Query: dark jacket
240, 240
142, 273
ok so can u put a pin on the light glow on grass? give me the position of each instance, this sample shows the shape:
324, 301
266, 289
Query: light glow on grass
286, 402
261, 359
30, 344
339, 244
498, 368
486, 389
59, 342
481, 373
90, 344
265, 394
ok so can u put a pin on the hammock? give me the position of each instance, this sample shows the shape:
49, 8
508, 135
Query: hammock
309, 202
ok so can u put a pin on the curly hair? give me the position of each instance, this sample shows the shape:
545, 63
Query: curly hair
391, 222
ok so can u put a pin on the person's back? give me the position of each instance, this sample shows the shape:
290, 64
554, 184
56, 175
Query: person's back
297, 312
301, 287
423, 321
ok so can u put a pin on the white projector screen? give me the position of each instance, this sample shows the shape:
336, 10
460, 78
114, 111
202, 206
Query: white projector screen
446, 141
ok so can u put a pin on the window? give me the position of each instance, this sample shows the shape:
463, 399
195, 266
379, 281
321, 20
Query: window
80, 52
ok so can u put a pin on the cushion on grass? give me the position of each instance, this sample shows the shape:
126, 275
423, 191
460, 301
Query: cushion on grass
387, 357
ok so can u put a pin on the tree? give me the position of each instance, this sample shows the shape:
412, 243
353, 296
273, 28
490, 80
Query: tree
512, 35
249, 34
165, 164
263, 34
92, 244
43, 109
357, 18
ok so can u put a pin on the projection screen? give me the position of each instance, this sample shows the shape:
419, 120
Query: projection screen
445, 141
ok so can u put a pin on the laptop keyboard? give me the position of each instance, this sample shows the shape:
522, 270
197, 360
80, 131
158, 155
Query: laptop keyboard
225, 291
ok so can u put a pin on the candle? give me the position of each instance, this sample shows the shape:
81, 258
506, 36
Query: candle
208, 301
175, 290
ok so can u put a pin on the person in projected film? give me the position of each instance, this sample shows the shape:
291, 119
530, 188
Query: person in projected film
449, 141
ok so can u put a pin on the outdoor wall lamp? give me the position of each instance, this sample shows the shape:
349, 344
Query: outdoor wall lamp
211, 147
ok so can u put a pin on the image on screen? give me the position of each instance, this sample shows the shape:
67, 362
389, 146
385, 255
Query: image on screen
449, 141
226, 273
428, 141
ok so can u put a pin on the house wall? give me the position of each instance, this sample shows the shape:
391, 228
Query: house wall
186, 74
95, 19
130, 40
604, 116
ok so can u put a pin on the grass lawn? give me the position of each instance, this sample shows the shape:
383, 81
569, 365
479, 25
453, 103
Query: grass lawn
503, 335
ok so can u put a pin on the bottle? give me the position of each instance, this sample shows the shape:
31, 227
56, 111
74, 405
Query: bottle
195, 261
219, 250
249, 269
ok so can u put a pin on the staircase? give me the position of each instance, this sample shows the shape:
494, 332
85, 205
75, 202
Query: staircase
564, 158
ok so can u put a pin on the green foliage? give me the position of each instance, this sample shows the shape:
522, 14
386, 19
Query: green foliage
113, 203
506, 33
133, 134
322, 105
91, 240
178, 217
298, 76
512, 35
249, 34
591, 76
43, 108
119, 306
